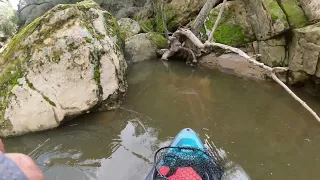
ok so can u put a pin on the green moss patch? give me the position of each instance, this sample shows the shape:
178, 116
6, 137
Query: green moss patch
146, 25
159, 40
229, 31
294, 13
275, 11
229, 34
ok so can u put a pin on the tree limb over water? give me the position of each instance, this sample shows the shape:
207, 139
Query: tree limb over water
191, 36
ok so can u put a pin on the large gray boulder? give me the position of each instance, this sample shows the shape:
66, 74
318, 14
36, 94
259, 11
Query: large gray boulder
66, 63
267, 18
143, 47
304, 50
129, 27
311, 9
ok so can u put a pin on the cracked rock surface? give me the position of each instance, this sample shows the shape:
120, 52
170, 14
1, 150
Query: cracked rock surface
65, 63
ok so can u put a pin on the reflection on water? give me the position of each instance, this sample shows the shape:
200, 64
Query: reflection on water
252, 125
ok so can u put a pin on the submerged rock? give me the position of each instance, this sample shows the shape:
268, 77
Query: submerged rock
65, 63
234, 28
129, 27
267, 18
304, 50
144, 47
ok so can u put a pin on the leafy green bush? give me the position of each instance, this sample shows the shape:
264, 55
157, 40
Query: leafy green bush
8, 19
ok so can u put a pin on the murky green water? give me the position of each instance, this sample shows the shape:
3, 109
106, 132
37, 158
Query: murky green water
256, 124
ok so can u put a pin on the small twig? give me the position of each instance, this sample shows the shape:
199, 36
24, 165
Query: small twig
210, 39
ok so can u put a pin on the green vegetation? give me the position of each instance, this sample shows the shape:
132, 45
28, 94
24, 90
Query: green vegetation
229, 30
146, 25
113, 30
229, 34
159, 40
31, 86
8, 19
294, 13
275, 11
95, 56
8, 79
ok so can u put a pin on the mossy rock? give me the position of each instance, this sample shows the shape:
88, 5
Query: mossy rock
233, 28
160, 41
177, 13
294, 13
63, 46
275, 11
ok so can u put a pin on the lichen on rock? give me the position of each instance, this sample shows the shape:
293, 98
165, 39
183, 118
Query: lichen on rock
65, 63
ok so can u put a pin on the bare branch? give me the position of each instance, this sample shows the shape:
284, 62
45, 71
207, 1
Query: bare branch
210, 39
305, 105
199, 21
270, 71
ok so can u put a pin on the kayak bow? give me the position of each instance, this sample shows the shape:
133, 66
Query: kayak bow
185, 158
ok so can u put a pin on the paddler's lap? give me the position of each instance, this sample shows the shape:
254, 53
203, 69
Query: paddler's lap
15, 166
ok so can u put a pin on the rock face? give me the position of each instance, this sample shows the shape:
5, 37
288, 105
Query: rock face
33, 9
311, 9
234, 28
267, 18
129, 27
305, 49
177, 13
65, 63
144, 47
119, 8
273, 52
294, 13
